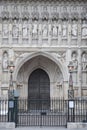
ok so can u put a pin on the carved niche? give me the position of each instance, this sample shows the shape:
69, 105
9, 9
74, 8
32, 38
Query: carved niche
5, 61
84, 28
74, 29
74, 60
84, 61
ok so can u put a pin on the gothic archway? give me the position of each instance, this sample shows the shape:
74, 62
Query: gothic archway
39, 90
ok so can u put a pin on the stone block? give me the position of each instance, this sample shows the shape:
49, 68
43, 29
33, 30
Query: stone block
76, 125
8, 125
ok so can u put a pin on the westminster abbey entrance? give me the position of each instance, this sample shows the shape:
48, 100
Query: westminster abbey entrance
39, 90
43, 90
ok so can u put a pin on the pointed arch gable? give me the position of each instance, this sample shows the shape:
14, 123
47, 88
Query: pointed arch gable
27, 57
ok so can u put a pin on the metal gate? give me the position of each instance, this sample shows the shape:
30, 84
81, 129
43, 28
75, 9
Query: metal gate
56, 115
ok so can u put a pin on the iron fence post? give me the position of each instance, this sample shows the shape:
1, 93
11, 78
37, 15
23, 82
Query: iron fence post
11, 107
16, 111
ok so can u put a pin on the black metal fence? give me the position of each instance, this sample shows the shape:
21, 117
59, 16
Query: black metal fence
38, 113
3, 110
33, 115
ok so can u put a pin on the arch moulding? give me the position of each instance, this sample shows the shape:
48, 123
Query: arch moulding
26, 58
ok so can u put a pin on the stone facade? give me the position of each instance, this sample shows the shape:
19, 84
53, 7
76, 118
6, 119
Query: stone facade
44, 34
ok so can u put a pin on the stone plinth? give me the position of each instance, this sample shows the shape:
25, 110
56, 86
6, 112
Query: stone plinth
76, 125
8, 125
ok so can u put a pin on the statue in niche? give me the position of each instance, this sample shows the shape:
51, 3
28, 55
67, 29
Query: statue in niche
5, 61
75, 61
64, 29
84, 61
34, 29
84, 29
55, 31
15, 30
45, 30
74, 29
5, 30
58, 78
25, 29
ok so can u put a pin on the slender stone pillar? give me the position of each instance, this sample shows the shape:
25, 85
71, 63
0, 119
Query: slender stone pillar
10, 32
79, 73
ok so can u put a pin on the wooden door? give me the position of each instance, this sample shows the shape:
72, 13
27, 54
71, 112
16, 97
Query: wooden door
39, 90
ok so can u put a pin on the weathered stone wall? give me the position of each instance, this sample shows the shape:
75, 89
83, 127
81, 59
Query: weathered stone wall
59, 29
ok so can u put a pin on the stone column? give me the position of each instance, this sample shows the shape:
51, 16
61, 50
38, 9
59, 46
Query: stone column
79, 32
40, 35
49, 34
30, 34
20, 33
0, 31
66, 83
10, 32
0, 69
79, 73
59, 33
65, 89
0, 54
69, 32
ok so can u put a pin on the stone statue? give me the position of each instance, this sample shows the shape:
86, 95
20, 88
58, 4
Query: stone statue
64, 29
74, 60
15, 30
5, 61
74, 29
45, 30
34, 29
5, 30
55, 31
25, 29
84, 29
84, 61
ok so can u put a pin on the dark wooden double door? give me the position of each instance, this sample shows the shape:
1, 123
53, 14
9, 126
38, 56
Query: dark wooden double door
39, 90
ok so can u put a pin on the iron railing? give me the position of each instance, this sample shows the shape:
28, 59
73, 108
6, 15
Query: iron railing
3, 110
53, 112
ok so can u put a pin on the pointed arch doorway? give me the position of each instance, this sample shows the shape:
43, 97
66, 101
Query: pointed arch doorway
39, 90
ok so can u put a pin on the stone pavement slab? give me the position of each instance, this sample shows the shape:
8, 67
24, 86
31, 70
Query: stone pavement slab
42, 128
